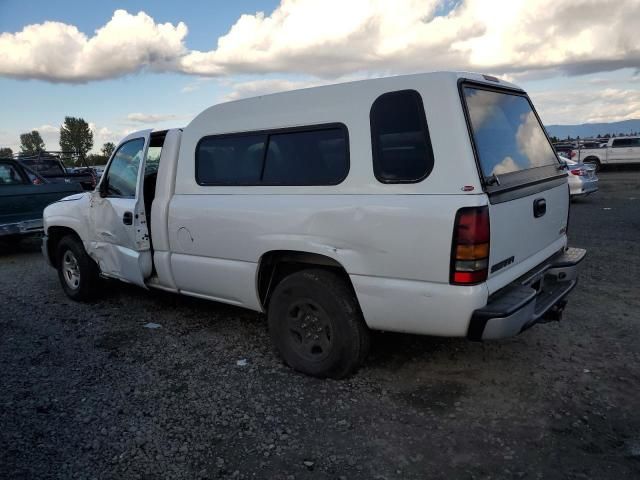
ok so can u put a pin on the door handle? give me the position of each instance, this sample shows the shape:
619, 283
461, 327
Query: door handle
539, 207
127, 218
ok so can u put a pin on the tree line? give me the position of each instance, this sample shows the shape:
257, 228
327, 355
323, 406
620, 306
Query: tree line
76, 140
606, 136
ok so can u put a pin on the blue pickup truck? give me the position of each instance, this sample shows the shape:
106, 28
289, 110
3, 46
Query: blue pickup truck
23, 196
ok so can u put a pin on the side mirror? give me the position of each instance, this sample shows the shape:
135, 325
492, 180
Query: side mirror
103, 188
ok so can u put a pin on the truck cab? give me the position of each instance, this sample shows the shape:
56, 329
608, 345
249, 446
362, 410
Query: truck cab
430, 204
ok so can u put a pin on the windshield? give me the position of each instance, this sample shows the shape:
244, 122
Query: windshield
507, 133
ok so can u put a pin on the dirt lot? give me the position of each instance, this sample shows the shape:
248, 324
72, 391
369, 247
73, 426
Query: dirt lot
86, 391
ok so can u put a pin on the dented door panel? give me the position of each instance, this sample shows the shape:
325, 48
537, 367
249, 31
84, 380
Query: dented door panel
120, 237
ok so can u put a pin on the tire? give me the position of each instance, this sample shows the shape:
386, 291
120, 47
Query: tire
78, 273
316, 325
593, 161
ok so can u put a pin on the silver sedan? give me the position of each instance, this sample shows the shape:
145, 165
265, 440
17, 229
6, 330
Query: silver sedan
582, 177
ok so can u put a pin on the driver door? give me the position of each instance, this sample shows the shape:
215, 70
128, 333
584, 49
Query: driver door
120, 237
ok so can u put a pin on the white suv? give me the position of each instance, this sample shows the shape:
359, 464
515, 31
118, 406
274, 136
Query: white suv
431, 204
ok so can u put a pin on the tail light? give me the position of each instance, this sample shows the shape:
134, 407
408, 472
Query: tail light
470, 248
578, 171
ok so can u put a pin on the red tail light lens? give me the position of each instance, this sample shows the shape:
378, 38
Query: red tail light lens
470, 248
578, 171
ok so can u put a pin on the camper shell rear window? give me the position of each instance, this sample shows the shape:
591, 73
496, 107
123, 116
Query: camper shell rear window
510, 143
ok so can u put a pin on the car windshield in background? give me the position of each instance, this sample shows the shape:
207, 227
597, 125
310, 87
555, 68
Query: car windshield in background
46, 168
507, 133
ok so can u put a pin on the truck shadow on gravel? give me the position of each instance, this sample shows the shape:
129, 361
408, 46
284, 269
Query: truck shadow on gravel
183, 315
14, 246
392, 351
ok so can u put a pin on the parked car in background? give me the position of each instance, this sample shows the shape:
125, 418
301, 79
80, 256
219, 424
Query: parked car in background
23, 196
50, 166
99, 170
618, 151
564, 148
582, 177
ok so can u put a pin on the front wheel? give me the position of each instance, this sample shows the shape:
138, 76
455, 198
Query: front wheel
78, 273
316, 325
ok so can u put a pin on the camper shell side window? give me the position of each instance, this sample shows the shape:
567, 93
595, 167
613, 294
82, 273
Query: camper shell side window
400, 141
300, 156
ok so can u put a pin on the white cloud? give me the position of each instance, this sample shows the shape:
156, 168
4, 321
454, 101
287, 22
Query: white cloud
196, 84
50, 135
266, 86
255, 88
329, 38
332, 38
150, 117
59, 52
532, 142
48, 129
102, 135
505, 166
611, 104
482, 105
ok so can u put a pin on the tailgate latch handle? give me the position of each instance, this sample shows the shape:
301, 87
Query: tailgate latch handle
127, 218
539, 207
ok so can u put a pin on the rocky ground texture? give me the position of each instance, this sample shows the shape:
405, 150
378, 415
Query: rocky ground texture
87, 391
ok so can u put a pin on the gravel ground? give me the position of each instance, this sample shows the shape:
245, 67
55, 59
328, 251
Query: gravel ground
86, 391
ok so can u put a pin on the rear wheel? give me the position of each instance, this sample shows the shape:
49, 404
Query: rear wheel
316, 325
78, 273
593, 161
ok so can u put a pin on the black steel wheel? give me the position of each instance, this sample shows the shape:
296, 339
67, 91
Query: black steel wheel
316, 325
310, 330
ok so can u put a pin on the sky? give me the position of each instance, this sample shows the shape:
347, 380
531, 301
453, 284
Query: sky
128, 65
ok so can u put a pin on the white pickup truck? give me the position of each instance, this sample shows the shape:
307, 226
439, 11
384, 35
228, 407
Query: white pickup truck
618, 151
431, 204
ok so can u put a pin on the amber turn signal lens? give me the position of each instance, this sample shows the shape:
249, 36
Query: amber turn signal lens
472, 252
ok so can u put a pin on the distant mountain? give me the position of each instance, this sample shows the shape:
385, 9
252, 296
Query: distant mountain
586, 130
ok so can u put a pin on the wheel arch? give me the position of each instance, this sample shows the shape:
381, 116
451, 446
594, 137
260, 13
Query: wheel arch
55, 233
275, 265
